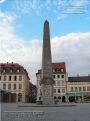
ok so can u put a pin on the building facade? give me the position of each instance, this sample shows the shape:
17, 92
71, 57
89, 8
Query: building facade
78, 89
60, 77
33, 91
15, 80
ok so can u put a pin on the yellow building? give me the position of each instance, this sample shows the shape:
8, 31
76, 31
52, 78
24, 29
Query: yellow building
78, 89
14, 79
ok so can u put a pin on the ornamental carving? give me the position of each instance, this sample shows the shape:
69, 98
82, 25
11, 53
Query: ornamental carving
48, 91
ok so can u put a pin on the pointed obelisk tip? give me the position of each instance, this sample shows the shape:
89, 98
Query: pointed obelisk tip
46, 21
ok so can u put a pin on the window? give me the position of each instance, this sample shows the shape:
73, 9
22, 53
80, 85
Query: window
55, 70
62, 76
11, 70
4, 70
58, 70
20, 78
9, 86
79, 88
88, 88
58, 76
59, 97
54, 90
55, 97
4, 86
53, 76
58, 90
9, 78
15, 78
55, 83
4, 79
58, 83
75, 88
84, 88
62, 83
39, 76
20, 86
61, 69
14, 86
18, 70
63, 90
71, 88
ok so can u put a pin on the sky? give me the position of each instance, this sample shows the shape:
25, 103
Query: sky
21, 34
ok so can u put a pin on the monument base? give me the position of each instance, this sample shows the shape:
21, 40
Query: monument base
47, 93
48, 101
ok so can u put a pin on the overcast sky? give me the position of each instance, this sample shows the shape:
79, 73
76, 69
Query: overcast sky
21, 33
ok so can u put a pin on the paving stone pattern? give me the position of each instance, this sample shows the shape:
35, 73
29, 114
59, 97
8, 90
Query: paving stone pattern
80, 112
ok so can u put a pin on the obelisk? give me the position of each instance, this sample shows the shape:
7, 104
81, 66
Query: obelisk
47, 81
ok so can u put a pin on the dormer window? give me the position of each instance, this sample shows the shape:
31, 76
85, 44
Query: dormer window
61, 69
55, 70
4, 70
18, 70
58, 70
11, 70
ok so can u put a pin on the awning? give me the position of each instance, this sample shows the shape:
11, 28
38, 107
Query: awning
73, 95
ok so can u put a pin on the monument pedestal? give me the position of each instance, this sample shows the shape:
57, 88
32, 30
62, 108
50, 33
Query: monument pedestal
47, 91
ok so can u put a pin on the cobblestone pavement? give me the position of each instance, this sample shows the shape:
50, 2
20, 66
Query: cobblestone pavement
80, 112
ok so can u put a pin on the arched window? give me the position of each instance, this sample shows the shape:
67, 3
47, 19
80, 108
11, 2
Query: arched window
20, 97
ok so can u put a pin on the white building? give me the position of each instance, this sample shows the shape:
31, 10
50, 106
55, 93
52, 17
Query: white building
60, 77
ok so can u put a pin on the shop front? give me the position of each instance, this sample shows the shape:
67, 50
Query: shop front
86, 97
75, 97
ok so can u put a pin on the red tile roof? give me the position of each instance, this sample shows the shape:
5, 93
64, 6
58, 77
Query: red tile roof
58, 65
14, 66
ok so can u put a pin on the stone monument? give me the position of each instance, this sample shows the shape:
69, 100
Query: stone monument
47, 81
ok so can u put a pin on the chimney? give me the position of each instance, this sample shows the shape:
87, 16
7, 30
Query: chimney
77, 75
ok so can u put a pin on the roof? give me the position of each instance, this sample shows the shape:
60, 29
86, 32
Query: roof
14, 67
79, 79
58, 65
